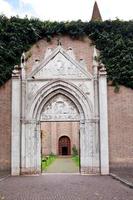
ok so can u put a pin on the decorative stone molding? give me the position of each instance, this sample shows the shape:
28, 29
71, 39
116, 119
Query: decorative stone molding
60, 108
59, 64
59, 89
104, 148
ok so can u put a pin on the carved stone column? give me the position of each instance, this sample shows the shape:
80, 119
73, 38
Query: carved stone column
86, 147
96, 160
37, 149
82, 146
15, 135
104, 152
32, 155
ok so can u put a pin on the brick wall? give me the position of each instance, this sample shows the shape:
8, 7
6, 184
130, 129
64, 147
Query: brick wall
52, 131
120, 111
5, 126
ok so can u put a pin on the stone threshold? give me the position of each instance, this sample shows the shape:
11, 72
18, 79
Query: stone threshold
43, 174
46, 173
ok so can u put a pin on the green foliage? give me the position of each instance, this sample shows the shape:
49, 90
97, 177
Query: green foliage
47, 160
74, 150
76, 159
114, 39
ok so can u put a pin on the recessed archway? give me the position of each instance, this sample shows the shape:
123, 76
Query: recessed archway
64, 145
82, 103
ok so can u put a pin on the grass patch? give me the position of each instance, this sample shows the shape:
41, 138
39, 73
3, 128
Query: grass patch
46, 161
76, 159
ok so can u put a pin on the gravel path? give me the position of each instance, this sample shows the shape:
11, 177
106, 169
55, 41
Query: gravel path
63, 165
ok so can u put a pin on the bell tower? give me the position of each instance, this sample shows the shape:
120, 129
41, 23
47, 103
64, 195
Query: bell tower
96, 16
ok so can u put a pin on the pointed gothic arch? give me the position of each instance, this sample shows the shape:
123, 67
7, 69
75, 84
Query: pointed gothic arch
85, 109
53, 88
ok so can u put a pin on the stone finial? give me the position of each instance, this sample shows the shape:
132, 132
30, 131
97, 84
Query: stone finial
95, 63
16, 71
96, 16
58, 42
95, 57
23, 57
23, 65
102, 69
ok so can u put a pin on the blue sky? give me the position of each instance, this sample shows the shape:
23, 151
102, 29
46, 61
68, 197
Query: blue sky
63, 10
14, 3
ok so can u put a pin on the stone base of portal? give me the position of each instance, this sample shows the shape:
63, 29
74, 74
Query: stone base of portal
30, 171
90, 170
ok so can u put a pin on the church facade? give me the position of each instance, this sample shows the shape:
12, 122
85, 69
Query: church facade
59, 99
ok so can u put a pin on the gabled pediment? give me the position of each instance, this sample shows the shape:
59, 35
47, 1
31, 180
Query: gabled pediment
60, 64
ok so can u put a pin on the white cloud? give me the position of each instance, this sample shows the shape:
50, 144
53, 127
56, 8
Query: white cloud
63, 10
59, 9
6, 8
80, 9
116, 8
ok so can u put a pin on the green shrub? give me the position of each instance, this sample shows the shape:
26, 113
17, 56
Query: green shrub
74, 150
47, 160
76, 159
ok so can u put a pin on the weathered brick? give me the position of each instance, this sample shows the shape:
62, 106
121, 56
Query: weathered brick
5, 126
120, 112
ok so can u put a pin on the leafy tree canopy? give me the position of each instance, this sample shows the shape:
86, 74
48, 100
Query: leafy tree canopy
114, 39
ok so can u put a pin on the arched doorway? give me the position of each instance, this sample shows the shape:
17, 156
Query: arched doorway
47, 107
75, 109
64, 146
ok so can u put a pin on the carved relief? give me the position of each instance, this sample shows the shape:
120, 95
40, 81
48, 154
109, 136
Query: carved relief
60, 108
59, 67
33, 87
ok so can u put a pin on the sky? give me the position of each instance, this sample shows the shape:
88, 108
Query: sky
67, 10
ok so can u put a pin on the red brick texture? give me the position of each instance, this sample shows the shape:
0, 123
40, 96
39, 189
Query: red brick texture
120, 112
52, 131
5, 126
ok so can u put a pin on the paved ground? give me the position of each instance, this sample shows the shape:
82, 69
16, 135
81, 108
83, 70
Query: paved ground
63, 165
64, 187
4, 174
125, 173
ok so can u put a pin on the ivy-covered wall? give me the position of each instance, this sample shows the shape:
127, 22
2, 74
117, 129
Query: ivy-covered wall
114, 39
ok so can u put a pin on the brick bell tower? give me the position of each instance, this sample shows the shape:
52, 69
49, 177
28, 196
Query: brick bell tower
96, 16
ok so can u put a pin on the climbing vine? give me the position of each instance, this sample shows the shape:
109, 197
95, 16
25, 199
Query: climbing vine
114, 39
